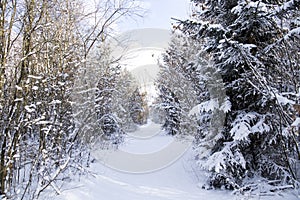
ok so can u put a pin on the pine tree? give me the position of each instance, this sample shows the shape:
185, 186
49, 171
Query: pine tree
138, 107
251, 44
178, 86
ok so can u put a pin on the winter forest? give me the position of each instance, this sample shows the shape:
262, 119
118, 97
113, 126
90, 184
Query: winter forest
230, 79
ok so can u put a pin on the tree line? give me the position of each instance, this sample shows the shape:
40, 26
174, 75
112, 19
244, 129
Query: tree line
58, 82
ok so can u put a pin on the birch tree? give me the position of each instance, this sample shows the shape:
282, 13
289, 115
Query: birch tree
43, 48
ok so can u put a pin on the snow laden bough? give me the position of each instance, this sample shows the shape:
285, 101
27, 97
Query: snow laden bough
254, 45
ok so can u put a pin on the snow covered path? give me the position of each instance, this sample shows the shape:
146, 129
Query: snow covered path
177, 181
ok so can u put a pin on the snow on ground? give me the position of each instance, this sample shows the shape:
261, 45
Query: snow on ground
177, 181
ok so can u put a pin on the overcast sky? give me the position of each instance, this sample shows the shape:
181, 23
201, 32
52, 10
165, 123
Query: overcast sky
159, 13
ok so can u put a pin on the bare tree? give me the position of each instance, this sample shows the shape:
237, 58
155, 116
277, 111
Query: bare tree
43, 45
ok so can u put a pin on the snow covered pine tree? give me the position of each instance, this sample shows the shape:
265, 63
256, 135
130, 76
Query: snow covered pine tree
138, 107
255, 47
178, 86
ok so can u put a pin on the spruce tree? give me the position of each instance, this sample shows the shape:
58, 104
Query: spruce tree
178, 86
251, 44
